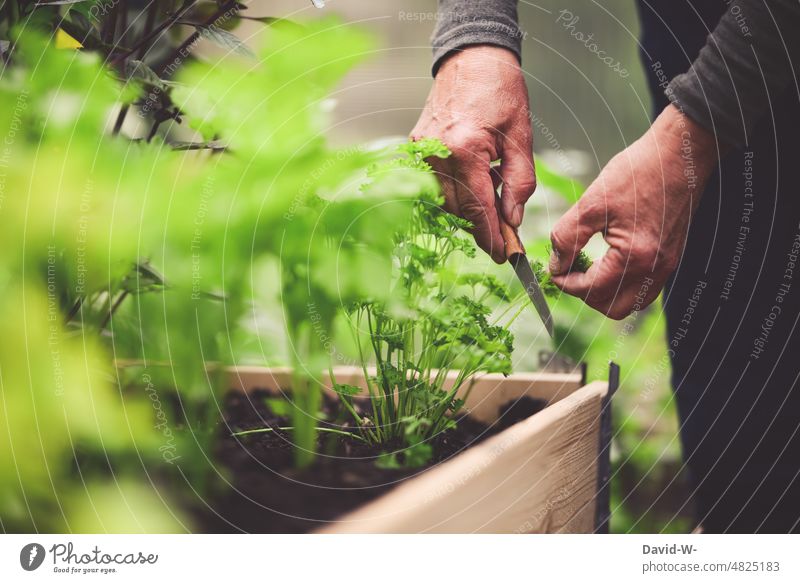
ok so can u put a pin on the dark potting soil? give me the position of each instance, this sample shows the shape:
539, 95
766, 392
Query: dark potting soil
269, 495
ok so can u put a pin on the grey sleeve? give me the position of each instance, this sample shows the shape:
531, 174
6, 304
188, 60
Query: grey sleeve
463, 22
748, 61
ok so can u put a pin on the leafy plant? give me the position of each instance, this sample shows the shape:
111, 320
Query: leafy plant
154, 249
438, 318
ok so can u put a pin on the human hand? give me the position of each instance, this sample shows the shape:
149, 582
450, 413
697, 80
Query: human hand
478, 107
643, 202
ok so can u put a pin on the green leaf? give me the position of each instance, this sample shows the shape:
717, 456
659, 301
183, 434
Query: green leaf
388, 461
278, 406
425, 148
418, 455
414, 456
543, 277
582, 262
346, 390
135, 69
225, 39
268, 20
568, 188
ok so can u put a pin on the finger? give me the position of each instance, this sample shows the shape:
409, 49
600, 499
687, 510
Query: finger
636, 295
476, 201
599, 288
442, 168
519, 179
609, 288
600, 284
572, 231
497, 180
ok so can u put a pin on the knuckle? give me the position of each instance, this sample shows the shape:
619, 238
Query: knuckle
593, 205
466, 142
451, 205
523, 188
473, 209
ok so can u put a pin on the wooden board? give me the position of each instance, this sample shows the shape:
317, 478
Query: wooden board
538, 476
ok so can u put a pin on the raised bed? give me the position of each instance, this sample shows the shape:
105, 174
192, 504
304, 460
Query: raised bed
547, 473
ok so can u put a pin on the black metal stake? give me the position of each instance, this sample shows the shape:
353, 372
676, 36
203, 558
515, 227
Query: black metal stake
603, 508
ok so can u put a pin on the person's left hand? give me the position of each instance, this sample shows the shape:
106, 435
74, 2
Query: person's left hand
642, 201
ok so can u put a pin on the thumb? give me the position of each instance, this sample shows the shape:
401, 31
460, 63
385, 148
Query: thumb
519, 182
573, 231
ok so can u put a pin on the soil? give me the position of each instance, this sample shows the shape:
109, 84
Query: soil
269, 495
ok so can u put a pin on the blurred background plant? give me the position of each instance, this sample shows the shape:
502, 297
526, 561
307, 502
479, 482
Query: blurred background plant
149, 251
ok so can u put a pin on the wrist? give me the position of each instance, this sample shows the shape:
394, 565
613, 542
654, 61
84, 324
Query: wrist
694, 143
481, 57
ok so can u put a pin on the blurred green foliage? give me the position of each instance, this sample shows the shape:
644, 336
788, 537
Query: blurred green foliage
124, 251
65, 189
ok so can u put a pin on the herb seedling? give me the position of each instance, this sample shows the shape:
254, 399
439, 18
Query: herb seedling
438, 319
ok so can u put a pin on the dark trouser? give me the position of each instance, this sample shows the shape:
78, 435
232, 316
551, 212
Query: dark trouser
733, 306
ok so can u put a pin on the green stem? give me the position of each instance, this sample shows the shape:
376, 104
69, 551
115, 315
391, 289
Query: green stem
344, 399
290, 428
113, 309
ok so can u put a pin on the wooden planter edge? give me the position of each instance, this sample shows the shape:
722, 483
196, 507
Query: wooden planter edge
540, 475
547, 473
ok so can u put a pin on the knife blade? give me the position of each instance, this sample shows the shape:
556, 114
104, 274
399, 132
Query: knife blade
515, 253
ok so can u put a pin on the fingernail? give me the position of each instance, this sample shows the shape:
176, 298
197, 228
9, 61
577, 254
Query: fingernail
554, 264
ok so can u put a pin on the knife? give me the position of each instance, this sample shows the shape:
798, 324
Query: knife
515, 252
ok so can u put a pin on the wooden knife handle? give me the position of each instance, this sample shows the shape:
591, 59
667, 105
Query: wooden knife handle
511, 238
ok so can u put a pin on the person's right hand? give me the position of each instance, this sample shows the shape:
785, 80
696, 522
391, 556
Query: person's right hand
478, 107
642, 202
